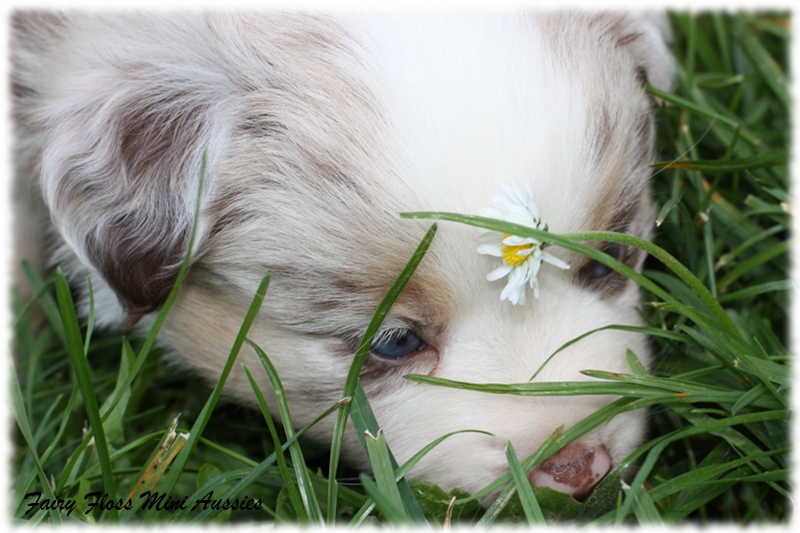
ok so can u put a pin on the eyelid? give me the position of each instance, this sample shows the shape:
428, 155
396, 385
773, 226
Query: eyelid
609, 281
397, 344
385, 334
615, 251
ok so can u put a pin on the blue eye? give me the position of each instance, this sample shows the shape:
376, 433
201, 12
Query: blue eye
600, 270
397, 344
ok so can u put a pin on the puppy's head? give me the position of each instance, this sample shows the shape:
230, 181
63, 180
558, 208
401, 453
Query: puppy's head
318, 132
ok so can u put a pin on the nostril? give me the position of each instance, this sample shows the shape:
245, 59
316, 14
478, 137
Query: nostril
573, 470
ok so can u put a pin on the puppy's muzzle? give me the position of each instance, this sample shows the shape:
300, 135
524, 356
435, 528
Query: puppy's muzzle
575, 469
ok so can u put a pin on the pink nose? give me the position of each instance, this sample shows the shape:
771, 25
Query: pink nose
575, 469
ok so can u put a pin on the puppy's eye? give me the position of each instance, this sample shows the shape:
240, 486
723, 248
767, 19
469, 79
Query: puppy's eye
599, 270
604, 280
397, 344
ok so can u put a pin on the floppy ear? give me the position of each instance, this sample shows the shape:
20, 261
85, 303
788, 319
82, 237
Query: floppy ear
647, 36
116, 113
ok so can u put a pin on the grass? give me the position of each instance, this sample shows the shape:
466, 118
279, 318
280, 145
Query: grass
97, 413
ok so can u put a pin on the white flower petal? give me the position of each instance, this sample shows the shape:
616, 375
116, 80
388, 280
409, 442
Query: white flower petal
491, 249
555, 261
516, 194
534, 264
514, 290
533, 272
535, 287
515, 295
519, 298
505, 193
513, 240
518, 277
515, 203
498, 272
534, 211
522, 217
487, 236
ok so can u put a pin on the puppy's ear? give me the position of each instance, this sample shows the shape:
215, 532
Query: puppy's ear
116, 113
647, 36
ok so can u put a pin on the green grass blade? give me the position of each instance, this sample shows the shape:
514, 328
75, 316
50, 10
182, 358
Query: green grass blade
547, 448
770, 159
412, 462
683, 103
702, 475
228, 452
150, 340
298, 491
360, 357
310, 502
386, 492
23, 422
570, 242
529, 502
748, 265
89, 317
44, 299
755, 290
364, 422
392, 511
84, 379
769, 69
645, 509
257, 471
656, 448
651, 331
205, 415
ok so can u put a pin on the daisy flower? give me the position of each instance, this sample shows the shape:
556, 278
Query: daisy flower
522, 256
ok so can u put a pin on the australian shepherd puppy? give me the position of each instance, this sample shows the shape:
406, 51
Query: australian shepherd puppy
318, 130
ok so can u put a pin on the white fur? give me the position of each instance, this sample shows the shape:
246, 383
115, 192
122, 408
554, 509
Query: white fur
319, 131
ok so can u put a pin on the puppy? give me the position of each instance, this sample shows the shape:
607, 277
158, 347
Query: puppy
320, 129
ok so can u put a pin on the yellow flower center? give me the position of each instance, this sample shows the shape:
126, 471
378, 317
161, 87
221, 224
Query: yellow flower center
510, 253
